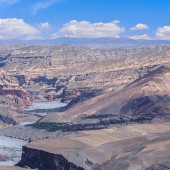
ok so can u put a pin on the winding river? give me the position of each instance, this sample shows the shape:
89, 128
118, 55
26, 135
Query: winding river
11, 148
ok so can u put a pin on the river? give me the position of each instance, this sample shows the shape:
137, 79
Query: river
46, 105
12, 149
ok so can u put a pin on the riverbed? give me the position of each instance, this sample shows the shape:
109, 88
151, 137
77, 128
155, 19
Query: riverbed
11, 149
46, 105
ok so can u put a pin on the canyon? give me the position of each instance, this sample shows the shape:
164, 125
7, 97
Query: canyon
85, 107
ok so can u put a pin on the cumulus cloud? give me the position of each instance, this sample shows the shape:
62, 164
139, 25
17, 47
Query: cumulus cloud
140, 26
13, 28
163, 33
86, 29
45, 25
43, 5
140, 37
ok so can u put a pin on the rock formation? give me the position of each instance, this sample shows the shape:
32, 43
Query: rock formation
73, 70
117, 115
130, 147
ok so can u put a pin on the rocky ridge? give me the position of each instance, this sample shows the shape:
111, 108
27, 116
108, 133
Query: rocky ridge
68, 72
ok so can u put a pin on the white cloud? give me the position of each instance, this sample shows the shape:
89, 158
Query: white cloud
13, 28
43, 5
140, 37
45, 25
140, 26
163, 33
86, 29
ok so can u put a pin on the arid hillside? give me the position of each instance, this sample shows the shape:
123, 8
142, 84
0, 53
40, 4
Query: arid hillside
146, 99
115, 97
68, 72
124, 148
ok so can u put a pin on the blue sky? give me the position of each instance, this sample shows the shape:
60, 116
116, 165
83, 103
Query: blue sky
34, 19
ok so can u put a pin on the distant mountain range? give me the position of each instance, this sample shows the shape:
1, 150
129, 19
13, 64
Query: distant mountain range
98, 42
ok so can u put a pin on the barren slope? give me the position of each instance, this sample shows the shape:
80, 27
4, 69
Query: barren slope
146, 98
125, 148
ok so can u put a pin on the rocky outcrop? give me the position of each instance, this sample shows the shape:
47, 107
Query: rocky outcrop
130, 147
15, 96
43, 160
7, 120
21, 79
75, 96
44, 79
11, 93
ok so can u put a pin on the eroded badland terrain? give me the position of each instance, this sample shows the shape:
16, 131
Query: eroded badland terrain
112, 109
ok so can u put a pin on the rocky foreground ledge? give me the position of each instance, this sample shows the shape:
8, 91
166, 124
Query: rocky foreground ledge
124, 148
12, 168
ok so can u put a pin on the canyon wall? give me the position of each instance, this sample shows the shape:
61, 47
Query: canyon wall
68, 72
